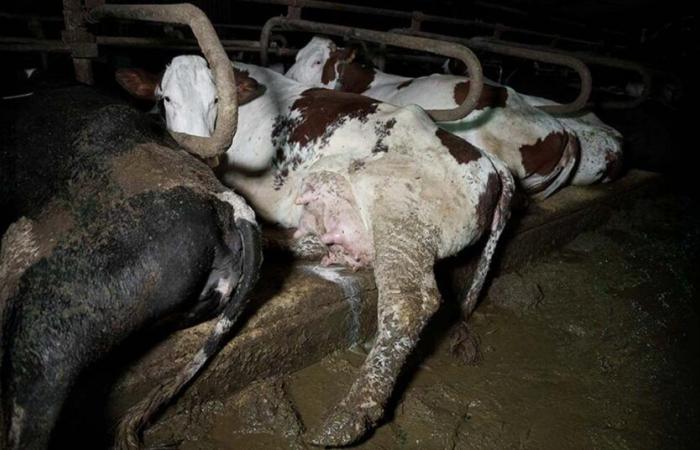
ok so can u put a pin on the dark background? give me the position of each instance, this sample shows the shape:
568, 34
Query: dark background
659, 34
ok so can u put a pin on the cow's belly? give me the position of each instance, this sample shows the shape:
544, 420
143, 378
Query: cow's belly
434, 193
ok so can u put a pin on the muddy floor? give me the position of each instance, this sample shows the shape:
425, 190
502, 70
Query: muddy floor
595, 346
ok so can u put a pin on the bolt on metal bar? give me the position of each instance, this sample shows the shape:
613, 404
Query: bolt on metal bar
448, 49
187, 14
541, 55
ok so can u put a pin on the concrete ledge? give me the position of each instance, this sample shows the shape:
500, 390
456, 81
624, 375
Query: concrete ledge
299, 316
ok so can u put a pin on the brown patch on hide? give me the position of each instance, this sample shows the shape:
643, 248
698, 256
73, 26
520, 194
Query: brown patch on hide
356, 78
323, 111
544, 155
491, 96
404, 84
336, 56
487, 201
139, 83
247, 87
383, 131
613, 165
461, 150
54, 223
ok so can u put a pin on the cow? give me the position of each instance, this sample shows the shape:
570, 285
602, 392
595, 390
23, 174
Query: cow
602, 158
505, 123
367, 183
119, 231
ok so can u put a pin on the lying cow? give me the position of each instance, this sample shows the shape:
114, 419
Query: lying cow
538, 148
601, 145
120, 231
369, 183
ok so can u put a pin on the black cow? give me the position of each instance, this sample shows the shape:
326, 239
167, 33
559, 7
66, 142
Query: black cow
119, 230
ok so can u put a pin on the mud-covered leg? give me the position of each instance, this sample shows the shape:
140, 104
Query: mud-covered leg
407, 298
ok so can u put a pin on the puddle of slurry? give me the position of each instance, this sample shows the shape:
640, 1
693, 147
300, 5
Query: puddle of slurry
606, 357
351, 293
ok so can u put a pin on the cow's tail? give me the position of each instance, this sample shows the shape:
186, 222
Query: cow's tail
500, 217
465, 344
542, 186
139, 415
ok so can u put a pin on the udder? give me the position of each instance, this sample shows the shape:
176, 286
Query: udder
331, 213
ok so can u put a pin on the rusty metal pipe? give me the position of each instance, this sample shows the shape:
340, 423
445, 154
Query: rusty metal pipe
632, 66
449, 49
415, 17
545, 56
24, 44
40, 45
605, 61
187, 14
561, 59
229, 45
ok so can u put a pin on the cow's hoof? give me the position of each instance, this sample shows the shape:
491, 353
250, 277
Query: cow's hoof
465, 345
342, 427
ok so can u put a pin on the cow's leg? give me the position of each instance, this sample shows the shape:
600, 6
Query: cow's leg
33, 399
407, 298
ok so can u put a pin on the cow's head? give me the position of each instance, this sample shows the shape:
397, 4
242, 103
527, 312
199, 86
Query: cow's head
188, 92
320, 63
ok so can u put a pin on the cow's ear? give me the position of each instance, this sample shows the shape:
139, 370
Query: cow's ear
138, 82
247, 88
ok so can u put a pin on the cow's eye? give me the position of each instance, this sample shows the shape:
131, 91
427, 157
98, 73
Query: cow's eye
317, 63
216, 100
166, 98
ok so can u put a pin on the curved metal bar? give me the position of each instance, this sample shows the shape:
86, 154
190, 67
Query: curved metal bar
187, 14
621, 64
449, 49
596, 60
418, 17
546, 56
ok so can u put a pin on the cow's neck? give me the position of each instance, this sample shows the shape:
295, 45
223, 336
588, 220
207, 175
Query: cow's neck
358, 78
253, 148
248, 165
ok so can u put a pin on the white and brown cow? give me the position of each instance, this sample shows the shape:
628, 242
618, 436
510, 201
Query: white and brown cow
601, 145
370, 183
539, 149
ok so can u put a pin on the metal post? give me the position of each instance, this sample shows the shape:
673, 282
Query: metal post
82, 43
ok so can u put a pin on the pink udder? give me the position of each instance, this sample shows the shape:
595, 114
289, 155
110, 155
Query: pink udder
330, 212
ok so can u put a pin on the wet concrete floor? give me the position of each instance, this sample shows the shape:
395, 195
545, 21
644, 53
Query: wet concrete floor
595, 346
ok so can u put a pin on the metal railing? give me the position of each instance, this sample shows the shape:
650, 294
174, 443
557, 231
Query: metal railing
594, 60
448, 49
417, 18
540, 55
